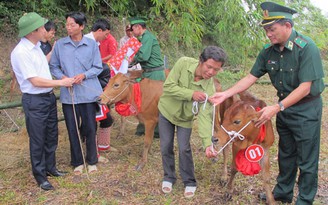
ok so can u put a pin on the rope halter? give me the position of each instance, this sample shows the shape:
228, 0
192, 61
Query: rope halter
112, 99
195, 105
233, 134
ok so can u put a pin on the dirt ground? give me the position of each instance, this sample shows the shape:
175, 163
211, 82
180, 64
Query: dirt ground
117, 182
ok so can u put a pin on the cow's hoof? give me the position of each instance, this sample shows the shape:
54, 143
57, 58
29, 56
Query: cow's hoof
139, 167
223, 182
228, 196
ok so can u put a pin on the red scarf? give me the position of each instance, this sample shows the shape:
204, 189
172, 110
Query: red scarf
242, 164
127, 109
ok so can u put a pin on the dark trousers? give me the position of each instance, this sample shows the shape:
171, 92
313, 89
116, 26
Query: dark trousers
106, 122
299, 144
85, 112
186, 163
42, 128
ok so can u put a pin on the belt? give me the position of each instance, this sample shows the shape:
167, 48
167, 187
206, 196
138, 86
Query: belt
42, 94
147, 70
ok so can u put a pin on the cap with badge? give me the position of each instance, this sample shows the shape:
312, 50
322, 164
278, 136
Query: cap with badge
30, 22
273, 12
137, 20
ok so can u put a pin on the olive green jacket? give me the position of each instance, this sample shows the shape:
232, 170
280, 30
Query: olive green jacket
176, 103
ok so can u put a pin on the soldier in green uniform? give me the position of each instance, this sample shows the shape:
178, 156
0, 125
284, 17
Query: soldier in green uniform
149, 57
294, 65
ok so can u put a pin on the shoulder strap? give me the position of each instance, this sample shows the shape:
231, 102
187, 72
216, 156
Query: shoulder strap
300, 42
268, 45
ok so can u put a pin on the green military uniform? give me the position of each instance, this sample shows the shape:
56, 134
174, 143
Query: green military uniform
149, 55
150, 58
299, 125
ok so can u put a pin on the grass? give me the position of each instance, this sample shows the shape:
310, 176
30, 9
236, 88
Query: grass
117, 182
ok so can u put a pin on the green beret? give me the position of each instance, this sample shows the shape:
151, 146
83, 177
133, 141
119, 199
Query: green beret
273, 12
137, 20
30, 22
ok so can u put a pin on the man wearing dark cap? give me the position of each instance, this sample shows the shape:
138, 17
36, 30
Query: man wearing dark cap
39, 102
294, 65
149, 56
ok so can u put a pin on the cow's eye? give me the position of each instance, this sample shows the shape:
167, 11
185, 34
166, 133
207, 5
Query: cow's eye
116, 85
237, 122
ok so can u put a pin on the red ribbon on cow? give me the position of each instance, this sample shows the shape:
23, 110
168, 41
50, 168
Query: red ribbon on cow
245, 166
128, 109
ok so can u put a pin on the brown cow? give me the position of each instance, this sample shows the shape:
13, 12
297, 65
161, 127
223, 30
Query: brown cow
237, 115
119, 89
133, 75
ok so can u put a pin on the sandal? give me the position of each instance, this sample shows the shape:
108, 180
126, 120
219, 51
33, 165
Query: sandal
92, 169
166, 187
102, 159
78, 170
190, 191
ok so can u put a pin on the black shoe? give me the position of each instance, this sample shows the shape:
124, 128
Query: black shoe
156, 135
56, 173
46, 186
262, 196
139, 133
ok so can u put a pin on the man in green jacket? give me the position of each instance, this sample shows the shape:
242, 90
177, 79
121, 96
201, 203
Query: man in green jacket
149, 56
185, 94
294, 65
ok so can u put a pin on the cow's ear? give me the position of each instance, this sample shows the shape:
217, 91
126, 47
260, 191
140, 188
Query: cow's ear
255, 115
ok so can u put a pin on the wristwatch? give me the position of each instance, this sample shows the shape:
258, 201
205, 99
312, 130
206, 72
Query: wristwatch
282, 107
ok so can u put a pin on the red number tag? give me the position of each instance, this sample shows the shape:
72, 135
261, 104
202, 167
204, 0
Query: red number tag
254, 153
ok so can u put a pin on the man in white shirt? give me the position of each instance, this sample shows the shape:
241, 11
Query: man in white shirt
39, 102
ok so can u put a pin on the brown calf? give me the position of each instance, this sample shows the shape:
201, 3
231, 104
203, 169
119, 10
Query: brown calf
120, 89
237, 114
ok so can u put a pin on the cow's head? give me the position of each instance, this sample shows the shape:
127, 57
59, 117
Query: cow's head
116, 89
238, 118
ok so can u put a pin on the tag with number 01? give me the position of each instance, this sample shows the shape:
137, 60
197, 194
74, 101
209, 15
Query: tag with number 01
254, 153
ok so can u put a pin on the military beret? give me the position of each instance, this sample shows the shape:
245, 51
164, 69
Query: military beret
273, 12
137, 20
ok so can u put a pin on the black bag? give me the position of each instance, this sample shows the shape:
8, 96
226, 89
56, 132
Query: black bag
104, 76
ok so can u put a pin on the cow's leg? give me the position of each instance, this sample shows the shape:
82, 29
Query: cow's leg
224, 176
265, 163
233, 173
122, 128
230, 187
148, 140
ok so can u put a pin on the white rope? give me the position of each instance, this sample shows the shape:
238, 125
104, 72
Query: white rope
11, 119
195, 105
78, 134
233, 134
111, 100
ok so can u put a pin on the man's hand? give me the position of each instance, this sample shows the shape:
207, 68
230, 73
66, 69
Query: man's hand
79, 78
199, 96
218, 98
210, 152
67, 82
267, 113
